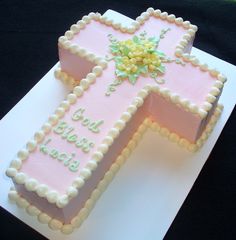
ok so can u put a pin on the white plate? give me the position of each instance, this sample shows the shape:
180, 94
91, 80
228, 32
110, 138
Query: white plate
145, 196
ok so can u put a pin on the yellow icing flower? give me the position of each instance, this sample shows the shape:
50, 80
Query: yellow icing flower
137, 56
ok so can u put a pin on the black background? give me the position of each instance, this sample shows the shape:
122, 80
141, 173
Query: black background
28, 49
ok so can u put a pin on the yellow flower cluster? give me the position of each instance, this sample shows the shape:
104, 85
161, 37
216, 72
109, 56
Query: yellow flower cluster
137, 54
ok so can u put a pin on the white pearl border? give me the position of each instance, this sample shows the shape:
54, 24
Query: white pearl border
76, 222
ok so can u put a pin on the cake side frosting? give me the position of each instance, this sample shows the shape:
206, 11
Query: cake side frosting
89, 121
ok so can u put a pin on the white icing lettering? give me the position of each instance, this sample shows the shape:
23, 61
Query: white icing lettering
86, 122
53, 153
63, 157
94, 126
66, 132
74, 166
60, 128
67, 161
72, 138
43, 148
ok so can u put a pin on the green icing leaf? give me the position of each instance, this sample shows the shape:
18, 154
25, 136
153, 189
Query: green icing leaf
136, 39
114, 48
126, 51
160, 54
161, 69
153, 39
142, 69
151, 51
118, 59
133, 78
121, 74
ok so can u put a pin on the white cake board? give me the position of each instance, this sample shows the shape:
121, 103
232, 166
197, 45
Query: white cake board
148, 191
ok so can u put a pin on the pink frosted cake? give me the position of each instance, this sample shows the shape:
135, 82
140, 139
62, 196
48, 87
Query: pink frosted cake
125, 80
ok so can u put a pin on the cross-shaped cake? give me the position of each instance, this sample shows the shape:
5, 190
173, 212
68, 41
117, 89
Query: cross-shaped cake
124, 80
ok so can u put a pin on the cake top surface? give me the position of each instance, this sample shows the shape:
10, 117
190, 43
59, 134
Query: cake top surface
183, 81
77, 136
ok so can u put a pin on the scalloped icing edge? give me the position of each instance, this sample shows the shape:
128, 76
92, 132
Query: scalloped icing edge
76, 222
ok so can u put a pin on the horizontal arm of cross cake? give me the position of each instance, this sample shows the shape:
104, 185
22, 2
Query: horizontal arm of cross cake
193, 88
124, 80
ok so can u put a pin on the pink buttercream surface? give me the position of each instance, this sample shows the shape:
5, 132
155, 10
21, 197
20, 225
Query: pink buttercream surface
73, 66
94, 37
67, 213
187, 81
